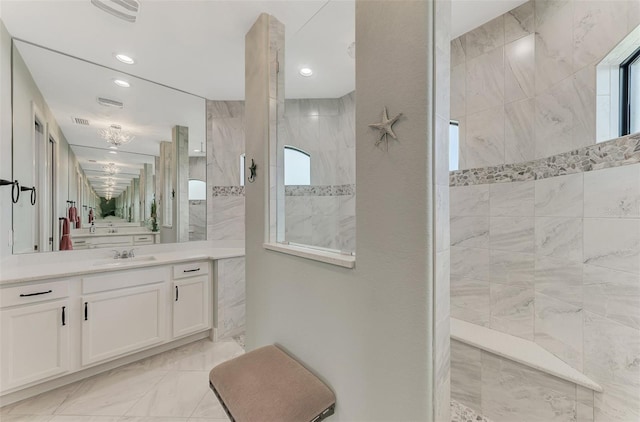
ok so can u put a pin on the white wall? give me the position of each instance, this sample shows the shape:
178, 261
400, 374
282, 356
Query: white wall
5, 140
369, 332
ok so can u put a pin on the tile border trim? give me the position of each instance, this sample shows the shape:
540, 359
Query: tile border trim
614, 153
291, 190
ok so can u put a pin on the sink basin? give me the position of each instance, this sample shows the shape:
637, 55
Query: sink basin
123, 261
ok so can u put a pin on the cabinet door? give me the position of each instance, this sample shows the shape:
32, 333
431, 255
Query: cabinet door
122, 321
191, 304
35, 343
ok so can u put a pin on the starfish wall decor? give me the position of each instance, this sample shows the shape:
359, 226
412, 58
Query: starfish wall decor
385, 127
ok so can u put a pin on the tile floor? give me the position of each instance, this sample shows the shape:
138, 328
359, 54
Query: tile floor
169, 387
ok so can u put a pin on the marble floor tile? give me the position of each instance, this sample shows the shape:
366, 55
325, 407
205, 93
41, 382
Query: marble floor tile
105, 397
199, 356
209, 407
26, 418
111, 393
177, 394
68, 418
42, 404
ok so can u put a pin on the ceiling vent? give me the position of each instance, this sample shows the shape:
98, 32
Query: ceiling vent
110, 103
80, 121
126, 10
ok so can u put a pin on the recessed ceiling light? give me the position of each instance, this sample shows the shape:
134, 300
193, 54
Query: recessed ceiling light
121, 83
113, 147
113, 152
306, 72
125, 59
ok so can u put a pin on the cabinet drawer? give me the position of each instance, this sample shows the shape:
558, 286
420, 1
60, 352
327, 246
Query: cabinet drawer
21, 295
121, 279
190, 269
143, 238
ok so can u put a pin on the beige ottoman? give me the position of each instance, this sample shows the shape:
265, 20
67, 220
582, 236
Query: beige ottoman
267, 385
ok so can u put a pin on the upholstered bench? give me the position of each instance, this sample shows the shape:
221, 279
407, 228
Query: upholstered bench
267, 385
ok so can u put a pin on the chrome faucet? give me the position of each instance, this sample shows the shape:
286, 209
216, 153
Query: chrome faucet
124, 254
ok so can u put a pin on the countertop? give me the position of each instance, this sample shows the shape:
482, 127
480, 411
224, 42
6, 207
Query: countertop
123, 233
24, 273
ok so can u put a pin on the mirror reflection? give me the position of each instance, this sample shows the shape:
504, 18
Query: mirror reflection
109, 159
316, 134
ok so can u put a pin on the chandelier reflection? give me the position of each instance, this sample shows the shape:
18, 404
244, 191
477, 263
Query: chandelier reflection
115, 136
110, 169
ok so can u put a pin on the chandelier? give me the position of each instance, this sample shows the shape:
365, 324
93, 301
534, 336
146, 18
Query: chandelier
115, 136
111, 169
110, 183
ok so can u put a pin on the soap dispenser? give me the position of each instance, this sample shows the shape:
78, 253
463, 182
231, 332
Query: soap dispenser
92, 229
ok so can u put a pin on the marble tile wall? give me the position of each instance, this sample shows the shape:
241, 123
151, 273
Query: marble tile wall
523, 86
231, 297
322, 214
225, 144
556, 261
322, 127
504, 391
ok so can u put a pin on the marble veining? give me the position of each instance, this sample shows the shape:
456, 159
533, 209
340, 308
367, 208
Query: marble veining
615, 153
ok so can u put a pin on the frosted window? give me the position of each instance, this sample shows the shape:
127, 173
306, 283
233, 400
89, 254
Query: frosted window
453, 145
297, 167
197, 190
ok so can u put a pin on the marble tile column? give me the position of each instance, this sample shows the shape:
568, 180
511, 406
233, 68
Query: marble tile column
180, 176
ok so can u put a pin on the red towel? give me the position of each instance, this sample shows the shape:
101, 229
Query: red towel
91, 215
65, 241
73, 216
78, 222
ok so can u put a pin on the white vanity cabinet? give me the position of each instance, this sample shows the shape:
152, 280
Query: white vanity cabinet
191, 300
122, 312
35, 333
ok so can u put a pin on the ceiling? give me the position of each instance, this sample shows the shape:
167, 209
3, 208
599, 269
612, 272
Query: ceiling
196, 47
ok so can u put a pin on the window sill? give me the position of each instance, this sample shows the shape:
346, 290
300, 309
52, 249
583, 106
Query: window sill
332, 258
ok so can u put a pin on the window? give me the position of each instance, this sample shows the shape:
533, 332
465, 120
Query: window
297, 166
453, 145
630, 94
242, 169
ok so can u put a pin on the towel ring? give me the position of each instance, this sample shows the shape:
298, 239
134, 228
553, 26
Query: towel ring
33, 193
15, 189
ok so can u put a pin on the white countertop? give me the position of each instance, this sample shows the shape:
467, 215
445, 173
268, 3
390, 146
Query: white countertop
68, 268
123, 233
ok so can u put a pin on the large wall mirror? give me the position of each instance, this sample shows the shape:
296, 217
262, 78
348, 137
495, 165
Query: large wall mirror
105, 158
316, 133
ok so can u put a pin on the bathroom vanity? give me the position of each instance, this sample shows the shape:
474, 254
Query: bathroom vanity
60, 320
